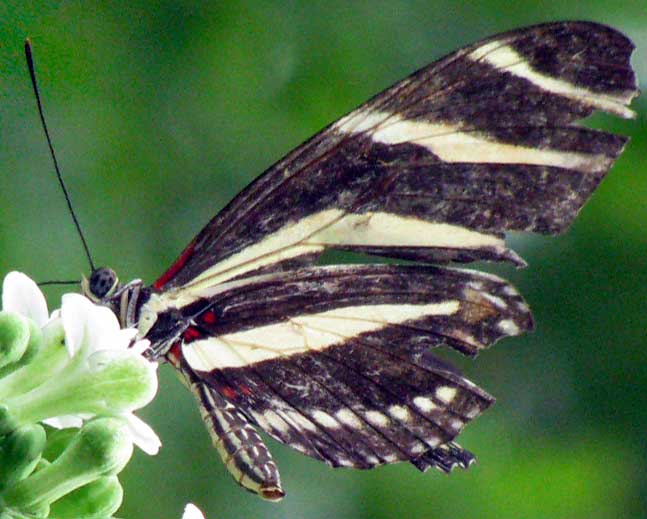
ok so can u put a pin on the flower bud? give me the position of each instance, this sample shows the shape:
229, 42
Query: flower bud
7, 422
112, 385
57, 441
14, 337
33, 347
96, 500
101, 448
45, 357
20, 451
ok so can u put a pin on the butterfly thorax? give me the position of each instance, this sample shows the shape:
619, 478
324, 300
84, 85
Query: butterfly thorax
127, 301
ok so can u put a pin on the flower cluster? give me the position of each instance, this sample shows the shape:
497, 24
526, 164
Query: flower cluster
69, 384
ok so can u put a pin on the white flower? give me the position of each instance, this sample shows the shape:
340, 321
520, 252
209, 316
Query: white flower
94, 342
22, 296
192, 512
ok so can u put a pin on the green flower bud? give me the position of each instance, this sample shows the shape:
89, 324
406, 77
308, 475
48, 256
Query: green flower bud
33, 347
48, 358
121, 383
20, 451
101, 448
38, 512
14, 337
57, 441
96, 500
7, 422
114, 385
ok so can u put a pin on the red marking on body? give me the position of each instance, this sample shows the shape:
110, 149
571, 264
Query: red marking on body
228, 392
175, 268
191, 334
209, 317
174, 353
245, 389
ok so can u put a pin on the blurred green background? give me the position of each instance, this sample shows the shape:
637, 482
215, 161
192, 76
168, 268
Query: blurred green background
162, 111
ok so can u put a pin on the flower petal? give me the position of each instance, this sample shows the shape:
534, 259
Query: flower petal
21, 295
87, 324
64, 421
74, 316
192, 512
143, 435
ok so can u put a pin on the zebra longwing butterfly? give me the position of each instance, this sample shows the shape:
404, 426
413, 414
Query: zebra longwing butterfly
335, 360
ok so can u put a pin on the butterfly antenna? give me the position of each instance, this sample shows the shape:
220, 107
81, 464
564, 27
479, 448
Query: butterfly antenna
48, 283
32, 73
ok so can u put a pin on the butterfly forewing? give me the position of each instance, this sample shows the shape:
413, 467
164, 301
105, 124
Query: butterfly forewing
335, 361
440, 165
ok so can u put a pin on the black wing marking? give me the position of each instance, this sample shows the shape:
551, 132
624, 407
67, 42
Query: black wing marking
476, 144
335, 361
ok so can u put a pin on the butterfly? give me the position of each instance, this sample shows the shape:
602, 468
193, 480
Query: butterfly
336, 361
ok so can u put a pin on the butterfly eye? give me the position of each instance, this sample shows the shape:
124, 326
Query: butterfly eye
102, 284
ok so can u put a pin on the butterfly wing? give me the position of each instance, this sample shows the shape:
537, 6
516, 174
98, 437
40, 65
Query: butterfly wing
439, 166
335, 362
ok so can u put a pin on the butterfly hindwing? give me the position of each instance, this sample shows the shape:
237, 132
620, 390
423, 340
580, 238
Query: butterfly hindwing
439, 166
335, 362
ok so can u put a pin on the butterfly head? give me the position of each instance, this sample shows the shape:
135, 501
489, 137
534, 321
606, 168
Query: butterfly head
101, 285
103, 288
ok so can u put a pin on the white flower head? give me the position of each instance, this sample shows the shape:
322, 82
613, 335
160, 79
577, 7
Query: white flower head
94, 341
93, 332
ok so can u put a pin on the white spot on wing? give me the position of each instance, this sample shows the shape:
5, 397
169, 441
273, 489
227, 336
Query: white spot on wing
376, 418
349, 418
509, 327
483, 275
301, 422
344, 462
446, 394
467, 338
521, 305
400, 412
509, 290
495, 300
390, 458
425, 404
472, 413
260, 419
419, 448
275, 421
373, 460
433, 441
456, 424
325, 419
298, 447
